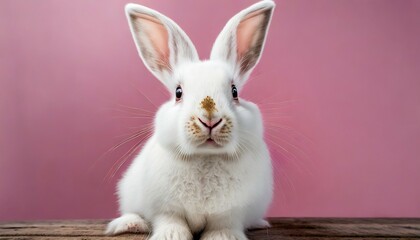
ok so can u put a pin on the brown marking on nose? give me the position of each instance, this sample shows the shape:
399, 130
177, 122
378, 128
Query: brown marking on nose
209, 105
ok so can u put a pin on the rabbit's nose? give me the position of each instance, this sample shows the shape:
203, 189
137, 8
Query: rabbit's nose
210, 124
208, 105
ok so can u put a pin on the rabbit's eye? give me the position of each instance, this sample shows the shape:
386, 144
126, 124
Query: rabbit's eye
178, 93
234, 92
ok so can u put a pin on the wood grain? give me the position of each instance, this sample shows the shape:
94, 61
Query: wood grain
282, 228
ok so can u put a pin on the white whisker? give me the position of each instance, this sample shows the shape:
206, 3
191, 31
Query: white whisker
136, 109
127, 155
146, 97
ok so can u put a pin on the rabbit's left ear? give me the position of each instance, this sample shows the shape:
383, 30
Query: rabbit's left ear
242, 39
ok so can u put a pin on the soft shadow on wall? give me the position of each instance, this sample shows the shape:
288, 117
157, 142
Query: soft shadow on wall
337, 83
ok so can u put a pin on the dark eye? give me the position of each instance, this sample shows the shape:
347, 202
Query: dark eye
234, 92
178, 93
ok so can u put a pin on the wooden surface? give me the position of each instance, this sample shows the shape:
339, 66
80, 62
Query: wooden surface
283, 228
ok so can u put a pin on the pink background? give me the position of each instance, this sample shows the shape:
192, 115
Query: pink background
339, 86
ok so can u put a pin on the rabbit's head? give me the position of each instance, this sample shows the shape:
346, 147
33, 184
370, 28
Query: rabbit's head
205, 114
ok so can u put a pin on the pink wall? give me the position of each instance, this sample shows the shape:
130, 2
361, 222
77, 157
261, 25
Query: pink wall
348, 71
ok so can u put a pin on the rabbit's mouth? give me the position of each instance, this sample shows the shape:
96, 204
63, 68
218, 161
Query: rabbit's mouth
210, 142
209, 134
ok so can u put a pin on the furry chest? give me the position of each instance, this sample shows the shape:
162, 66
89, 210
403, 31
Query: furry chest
206, 186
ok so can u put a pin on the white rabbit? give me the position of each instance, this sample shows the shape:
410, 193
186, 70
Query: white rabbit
206, 167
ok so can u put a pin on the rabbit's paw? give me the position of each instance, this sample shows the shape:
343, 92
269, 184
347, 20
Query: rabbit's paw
170, 232
127, 223
223, 234
260, 224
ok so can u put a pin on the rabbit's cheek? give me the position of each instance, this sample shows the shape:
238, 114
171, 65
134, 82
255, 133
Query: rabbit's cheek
223, 134
194, 132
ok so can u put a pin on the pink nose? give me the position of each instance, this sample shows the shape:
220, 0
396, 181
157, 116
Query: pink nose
210, 125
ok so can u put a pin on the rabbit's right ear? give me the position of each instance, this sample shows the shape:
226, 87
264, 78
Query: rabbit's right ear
161, 43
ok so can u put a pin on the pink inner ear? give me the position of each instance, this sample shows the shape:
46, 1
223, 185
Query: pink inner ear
247, 32
158, 36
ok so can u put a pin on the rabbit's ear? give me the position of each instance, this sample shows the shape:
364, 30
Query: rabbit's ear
161, 43
242, 39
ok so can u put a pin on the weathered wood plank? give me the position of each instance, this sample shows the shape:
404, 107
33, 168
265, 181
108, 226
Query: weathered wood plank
346, 227
282, 228
143, 238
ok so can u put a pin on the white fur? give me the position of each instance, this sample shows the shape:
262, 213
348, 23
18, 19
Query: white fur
180, 185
